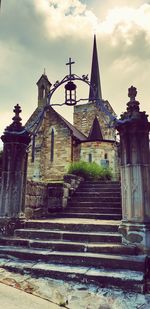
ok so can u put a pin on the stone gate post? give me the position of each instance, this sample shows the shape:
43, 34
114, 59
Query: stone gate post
135, 174
14, 168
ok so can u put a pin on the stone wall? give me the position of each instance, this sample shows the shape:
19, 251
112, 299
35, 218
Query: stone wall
99, 151
43, 199
36, 199
84, 115
44, 168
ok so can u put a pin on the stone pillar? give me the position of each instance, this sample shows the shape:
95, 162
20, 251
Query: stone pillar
134, 130
14, 168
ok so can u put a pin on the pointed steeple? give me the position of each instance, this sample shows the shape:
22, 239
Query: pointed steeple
95, 132
95, 75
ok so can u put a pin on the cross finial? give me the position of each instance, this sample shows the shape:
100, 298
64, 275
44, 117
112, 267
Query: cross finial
132, 92
70, 63
44, 71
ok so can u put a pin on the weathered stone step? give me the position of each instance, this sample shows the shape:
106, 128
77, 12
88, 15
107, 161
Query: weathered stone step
100, 185
82, 225
97, 194
136, 263
86, 215
68, 235
127, 280
97, 199
98, 189
100, 182
99, 204
60, 245
98, 210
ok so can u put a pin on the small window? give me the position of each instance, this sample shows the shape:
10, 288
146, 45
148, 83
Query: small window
90, 157
106, 156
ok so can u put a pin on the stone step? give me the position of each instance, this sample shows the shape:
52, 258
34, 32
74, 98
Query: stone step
99, 182
75, 225
97, 194
92, 189
111, 261
68, 235
106, 278
97, 199
98, 204
70, 246
86, 215
98, 210
100, 185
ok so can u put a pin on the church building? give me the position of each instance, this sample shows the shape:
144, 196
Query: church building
56, 142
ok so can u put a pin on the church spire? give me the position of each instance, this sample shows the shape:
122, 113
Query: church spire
95, 75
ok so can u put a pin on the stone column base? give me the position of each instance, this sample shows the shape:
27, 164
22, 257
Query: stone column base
137, 234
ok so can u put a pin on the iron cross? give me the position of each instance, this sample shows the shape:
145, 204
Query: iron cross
70, 63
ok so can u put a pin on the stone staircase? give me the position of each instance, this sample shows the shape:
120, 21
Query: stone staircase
95, 200
77, 246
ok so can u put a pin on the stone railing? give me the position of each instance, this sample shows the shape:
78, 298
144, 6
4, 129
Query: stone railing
71, 183
42, 199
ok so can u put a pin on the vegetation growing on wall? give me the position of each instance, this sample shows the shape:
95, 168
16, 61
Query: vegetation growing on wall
90, 171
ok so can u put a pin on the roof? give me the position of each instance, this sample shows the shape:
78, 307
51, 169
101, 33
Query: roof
76, 133
44, 76
95, 132
38, 116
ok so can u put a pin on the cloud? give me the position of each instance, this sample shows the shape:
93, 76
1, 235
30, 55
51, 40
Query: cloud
44, 33
72, 17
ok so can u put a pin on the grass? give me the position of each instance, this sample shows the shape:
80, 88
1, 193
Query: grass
91, 171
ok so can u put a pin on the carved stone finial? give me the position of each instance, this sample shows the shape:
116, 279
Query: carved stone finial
16, 119
132, 92
133, 105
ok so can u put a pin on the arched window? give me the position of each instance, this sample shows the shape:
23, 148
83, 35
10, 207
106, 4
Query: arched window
33, 149
106, 156
105, 162
52, 146
42, 92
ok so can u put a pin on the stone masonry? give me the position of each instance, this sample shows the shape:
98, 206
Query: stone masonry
84, 115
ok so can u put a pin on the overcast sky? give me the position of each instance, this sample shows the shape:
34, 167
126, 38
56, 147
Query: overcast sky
38, 34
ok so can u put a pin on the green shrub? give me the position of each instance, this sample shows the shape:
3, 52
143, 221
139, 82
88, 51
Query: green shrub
90, 171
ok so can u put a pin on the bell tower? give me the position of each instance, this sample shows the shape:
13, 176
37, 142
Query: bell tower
43, 89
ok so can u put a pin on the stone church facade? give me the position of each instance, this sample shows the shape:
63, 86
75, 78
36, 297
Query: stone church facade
56, 142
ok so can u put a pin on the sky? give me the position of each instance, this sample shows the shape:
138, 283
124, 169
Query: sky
43, 34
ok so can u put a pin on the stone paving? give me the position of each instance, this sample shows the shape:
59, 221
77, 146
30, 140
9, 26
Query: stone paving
75, 296
12, 298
